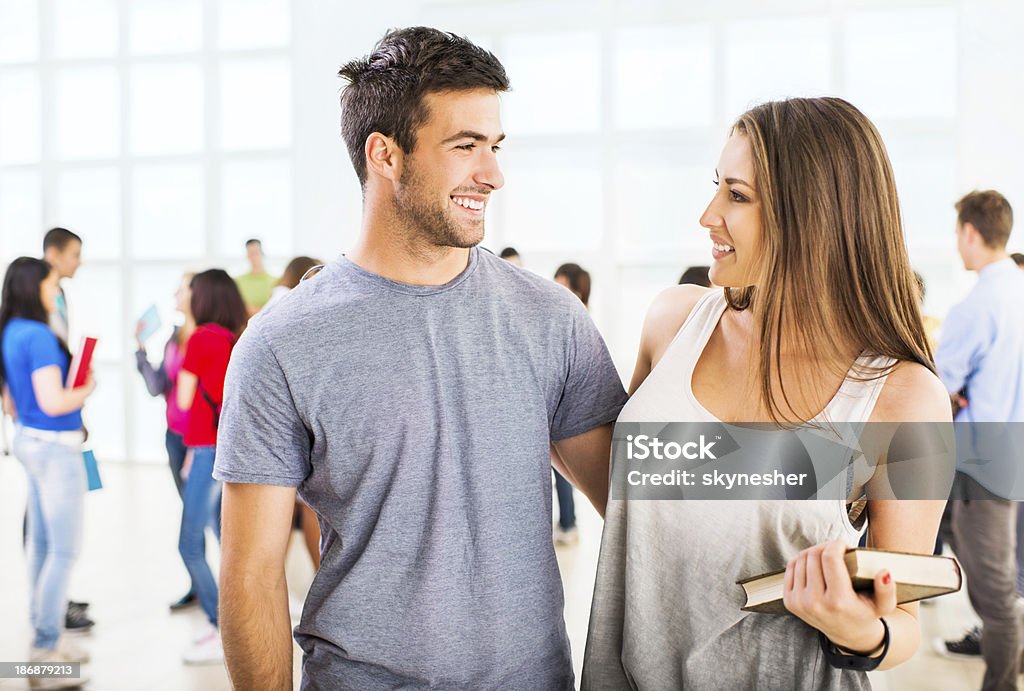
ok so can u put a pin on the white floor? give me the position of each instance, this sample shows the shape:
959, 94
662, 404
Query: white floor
129, 571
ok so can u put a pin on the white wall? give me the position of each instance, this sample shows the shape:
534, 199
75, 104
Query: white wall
615, 122
969, 143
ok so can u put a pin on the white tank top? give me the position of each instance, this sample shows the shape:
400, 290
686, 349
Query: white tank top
666, 610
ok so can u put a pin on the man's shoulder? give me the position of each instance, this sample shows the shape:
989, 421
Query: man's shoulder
317, 303
523, 285
992, 296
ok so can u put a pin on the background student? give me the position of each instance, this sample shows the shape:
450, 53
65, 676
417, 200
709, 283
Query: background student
34, 366
220, 314
577, 280
163, 381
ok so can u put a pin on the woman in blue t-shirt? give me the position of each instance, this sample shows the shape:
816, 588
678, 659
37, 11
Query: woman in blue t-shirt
48, 442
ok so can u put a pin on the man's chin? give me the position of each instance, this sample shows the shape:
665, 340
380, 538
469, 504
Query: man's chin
467, 243
464, 239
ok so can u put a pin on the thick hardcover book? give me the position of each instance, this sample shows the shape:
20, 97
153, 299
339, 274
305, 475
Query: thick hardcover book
917, 576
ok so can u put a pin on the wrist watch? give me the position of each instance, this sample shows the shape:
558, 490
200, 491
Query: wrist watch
843, 658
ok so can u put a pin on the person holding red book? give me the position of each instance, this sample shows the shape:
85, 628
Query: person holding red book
33, 368
220, 314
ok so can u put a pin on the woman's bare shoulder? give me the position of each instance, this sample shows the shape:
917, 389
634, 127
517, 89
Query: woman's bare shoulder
667, 313
912, 393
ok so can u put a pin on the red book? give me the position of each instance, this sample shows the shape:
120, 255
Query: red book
78, 372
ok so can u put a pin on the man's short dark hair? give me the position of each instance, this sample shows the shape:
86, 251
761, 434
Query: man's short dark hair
386, 88
696, 275
990, 213
253, 241
58, 238
508, 252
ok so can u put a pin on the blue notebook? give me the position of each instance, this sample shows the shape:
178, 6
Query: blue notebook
92, 470
150, 321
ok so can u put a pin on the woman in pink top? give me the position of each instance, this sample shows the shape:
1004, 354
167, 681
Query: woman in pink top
163, 381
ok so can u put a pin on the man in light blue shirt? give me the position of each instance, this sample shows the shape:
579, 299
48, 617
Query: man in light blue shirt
980, 359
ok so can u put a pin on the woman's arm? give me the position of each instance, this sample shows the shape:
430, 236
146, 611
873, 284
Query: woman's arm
156, 379
818, 587
52, 397
9, 403
188, 380
187, 385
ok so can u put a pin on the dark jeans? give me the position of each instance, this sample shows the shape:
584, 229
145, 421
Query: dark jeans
202, 509
982, 530
176, 450
566, 504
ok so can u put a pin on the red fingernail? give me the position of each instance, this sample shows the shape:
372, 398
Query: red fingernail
887, 578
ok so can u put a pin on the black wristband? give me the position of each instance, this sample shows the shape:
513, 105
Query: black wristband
860, 663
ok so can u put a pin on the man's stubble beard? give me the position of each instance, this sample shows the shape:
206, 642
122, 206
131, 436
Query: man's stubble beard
434, 225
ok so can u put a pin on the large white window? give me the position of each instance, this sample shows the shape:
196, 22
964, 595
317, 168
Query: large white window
167, 132
161, 132
620, 110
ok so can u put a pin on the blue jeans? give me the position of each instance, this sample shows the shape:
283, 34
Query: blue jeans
56, 501
176, 451
566, 504
202, 508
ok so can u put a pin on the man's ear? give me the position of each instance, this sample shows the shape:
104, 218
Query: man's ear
970, 232
383, 157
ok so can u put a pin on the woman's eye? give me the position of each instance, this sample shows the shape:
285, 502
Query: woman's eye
737, 197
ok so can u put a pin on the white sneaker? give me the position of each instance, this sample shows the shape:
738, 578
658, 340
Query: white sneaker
201, 632
49, 683
55, 657
566, 537
65, 650
207, 651
73, 652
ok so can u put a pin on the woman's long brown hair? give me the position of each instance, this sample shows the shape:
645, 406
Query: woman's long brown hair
836, 273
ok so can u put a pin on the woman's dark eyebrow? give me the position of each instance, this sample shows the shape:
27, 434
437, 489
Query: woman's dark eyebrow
738, 181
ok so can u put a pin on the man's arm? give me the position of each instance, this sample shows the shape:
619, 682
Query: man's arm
254, 621
586, 457
961, 344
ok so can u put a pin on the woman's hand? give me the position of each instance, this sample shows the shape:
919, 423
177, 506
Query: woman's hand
818, 589
90, 384
138, 332
186, 467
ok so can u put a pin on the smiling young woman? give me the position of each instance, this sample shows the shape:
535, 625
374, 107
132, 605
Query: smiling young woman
813, 320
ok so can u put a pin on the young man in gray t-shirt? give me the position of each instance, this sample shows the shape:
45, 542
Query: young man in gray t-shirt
411, 392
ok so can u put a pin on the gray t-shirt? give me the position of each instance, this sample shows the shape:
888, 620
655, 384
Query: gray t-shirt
416, 421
